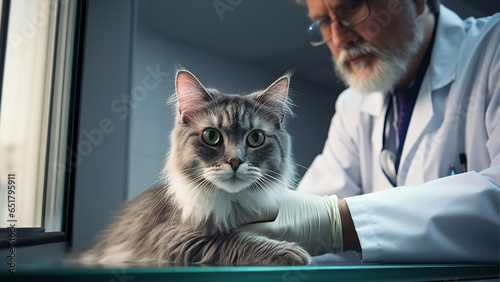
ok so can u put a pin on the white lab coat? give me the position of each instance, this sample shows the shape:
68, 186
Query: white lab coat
432, 217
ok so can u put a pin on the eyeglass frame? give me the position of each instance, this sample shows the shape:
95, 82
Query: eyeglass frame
321, 20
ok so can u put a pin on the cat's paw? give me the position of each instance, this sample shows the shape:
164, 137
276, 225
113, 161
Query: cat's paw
290, 254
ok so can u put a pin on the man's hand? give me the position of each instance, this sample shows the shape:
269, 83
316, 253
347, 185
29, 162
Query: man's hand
311, 221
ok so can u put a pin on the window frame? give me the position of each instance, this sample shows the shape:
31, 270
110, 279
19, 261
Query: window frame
38, 235
4, 27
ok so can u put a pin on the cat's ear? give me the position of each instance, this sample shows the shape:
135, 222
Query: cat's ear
276, 96
191, 94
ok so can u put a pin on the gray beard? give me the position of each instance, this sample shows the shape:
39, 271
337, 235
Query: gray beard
390, 66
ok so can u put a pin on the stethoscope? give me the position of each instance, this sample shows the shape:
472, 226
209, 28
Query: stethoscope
387, 157
389, 161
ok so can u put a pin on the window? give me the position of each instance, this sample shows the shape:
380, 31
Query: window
36, 116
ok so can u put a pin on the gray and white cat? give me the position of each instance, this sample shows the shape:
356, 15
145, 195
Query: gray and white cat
229, 159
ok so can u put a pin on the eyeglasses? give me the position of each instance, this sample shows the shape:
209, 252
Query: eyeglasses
347, 15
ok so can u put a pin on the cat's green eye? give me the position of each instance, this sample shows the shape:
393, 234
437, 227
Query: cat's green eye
211, 136
256, 138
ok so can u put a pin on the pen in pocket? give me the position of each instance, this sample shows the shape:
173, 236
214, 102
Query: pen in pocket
452, 170
463, 161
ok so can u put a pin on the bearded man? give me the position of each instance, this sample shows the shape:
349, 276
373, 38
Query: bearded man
410, 171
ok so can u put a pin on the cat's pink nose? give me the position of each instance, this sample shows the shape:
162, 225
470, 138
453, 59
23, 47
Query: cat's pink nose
235, 163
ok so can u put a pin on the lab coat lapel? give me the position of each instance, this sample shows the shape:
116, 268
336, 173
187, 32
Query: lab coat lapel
441, 72
375, 105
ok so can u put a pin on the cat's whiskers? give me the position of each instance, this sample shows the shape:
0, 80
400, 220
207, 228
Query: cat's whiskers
275, 179
177, 208
203, 186
173, 215
254, 172
266, 185
299, 165
267, 188
188, 172
147, 202
194, 179
200, 188
153, 208
159, 213
260, 185
159, 201
152, 184
196, 188
288, 181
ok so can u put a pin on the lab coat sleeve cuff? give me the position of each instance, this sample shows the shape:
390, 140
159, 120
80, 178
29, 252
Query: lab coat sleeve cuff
365, 227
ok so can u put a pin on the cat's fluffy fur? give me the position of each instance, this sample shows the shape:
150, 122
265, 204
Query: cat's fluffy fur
212, 188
